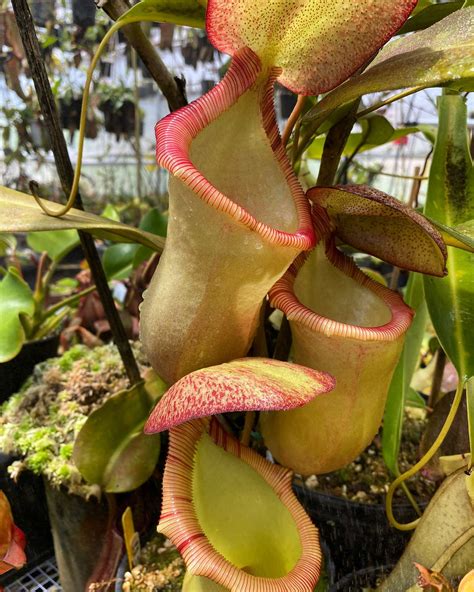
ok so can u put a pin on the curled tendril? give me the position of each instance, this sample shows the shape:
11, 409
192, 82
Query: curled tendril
57, 213
422, 462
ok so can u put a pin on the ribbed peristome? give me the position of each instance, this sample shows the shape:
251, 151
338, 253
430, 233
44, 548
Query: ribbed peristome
238, 218
180, 521
346, 324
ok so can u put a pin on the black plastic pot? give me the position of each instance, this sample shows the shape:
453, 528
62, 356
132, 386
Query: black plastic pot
84, 13
14, 372
360, 580
357, 535
79, 530
43, 11
28, 502
70, 113
119, 121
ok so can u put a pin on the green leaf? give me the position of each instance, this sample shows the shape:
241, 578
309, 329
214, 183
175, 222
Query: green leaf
7, 242
376, 131
427, 14
155, 222
16, 298
111, 213
189, 13
19, 212
470, 411
450, 201
118, 260
111, 449
414, 399
56, 243
436, 56
461, 237
400, 393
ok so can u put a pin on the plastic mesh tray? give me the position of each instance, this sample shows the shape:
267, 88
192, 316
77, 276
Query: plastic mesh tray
42, 578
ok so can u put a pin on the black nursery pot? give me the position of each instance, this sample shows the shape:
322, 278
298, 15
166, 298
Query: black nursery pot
361, 580
357, 535
14, 372
70, 113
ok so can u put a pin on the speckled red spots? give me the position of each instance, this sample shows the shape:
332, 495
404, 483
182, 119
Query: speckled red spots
380, 225
317, 43
242, 385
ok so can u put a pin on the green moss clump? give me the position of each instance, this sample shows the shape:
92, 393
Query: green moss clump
41, 422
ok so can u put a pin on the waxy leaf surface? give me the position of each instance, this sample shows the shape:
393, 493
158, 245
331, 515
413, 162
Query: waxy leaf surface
380, 225
451, 201
57, 244
242, 385
19, 212
440, 54
448, 522
399, 391
318, 44
111, 449
427, 14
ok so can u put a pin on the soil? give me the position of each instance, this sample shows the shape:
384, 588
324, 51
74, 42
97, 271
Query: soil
161, 568
367, 478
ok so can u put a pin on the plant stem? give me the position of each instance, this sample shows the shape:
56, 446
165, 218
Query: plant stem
66, 175
392, 99
172, 88
333, 147
250, 417
290, 124
68, 301
136, 100
437, 378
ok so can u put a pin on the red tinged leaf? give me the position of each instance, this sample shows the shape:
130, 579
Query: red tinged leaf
12, 539
242, 385
318, 44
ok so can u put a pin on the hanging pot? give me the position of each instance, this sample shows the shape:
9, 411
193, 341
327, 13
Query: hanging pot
43, 11
83, 13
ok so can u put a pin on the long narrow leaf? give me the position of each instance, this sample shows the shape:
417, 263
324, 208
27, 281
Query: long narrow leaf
451, 201
399, 387
19, 212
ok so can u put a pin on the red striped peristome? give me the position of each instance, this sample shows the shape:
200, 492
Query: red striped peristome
175, 133
282, 296
180, 523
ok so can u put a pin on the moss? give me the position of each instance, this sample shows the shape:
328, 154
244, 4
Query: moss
41, 422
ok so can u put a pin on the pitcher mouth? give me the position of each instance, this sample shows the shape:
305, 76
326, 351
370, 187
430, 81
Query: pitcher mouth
283, 297
179, 520
175, 133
